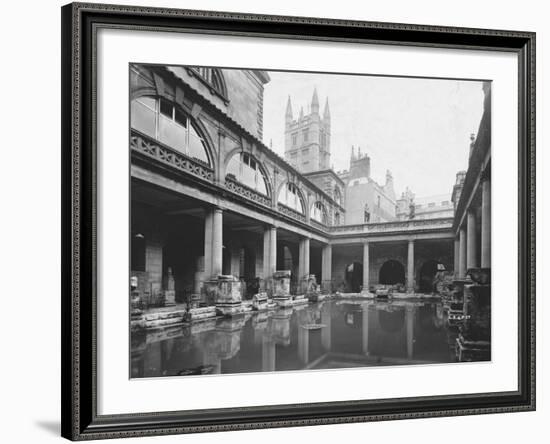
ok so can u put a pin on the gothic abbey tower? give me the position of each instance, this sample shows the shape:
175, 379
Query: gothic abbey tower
307, 138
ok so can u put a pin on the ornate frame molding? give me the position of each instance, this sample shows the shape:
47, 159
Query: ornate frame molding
80, 22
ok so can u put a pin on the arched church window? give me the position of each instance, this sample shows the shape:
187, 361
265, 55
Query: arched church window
319, 213
290, 197
166, 122
337, 196
336, 218
245, 169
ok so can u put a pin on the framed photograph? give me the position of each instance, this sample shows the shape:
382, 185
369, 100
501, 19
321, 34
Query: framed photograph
279, 221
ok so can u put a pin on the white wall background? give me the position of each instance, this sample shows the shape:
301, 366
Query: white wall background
30, 220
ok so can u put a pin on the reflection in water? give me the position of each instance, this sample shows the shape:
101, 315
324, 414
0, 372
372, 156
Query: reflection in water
330, 334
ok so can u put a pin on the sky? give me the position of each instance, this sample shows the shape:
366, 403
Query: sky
419, 129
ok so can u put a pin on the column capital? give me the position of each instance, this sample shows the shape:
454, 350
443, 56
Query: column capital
217, 207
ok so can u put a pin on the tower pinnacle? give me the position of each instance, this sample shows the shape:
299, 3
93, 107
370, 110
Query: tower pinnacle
288, 114
315, 102
326, 113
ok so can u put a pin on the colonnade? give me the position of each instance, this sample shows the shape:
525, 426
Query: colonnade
213, 252
465, 256
410, 265
467, 242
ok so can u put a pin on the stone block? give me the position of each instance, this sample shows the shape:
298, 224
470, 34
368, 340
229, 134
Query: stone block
199, 314
260, 302
230, 309
169, 298
225, 290
281, 284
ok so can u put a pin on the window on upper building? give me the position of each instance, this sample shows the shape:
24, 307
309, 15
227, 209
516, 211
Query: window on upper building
445, 203
337, 196
431, 204
290, 197
305, 135
166, 122
213, 77
294, 139
319, 213
245, 169
336, 218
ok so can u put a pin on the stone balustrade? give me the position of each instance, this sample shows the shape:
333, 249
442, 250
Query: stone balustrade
392, 227
152, 148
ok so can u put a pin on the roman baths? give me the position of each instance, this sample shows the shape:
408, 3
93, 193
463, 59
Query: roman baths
246, 260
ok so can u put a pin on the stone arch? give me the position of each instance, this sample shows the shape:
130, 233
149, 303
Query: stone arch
300, 194
323, 208
145, 87
391, 272
210, 146
196, 123
238, 150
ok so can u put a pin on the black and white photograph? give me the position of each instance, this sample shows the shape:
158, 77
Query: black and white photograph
275, 222
302, 221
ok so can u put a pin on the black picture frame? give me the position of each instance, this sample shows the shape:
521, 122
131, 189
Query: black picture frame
80, 420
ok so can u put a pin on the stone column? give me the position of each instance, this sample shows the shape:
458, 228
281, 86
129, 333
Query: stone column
266, 259
270, 252
273, 251
366, 267
462, 253
208, 219
486, 223
456, 256
471, 261
410, 267
303, 266
326, 267
217, 241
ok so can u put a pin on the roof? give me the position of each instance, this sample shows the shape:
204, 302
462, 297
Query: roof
237, 127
